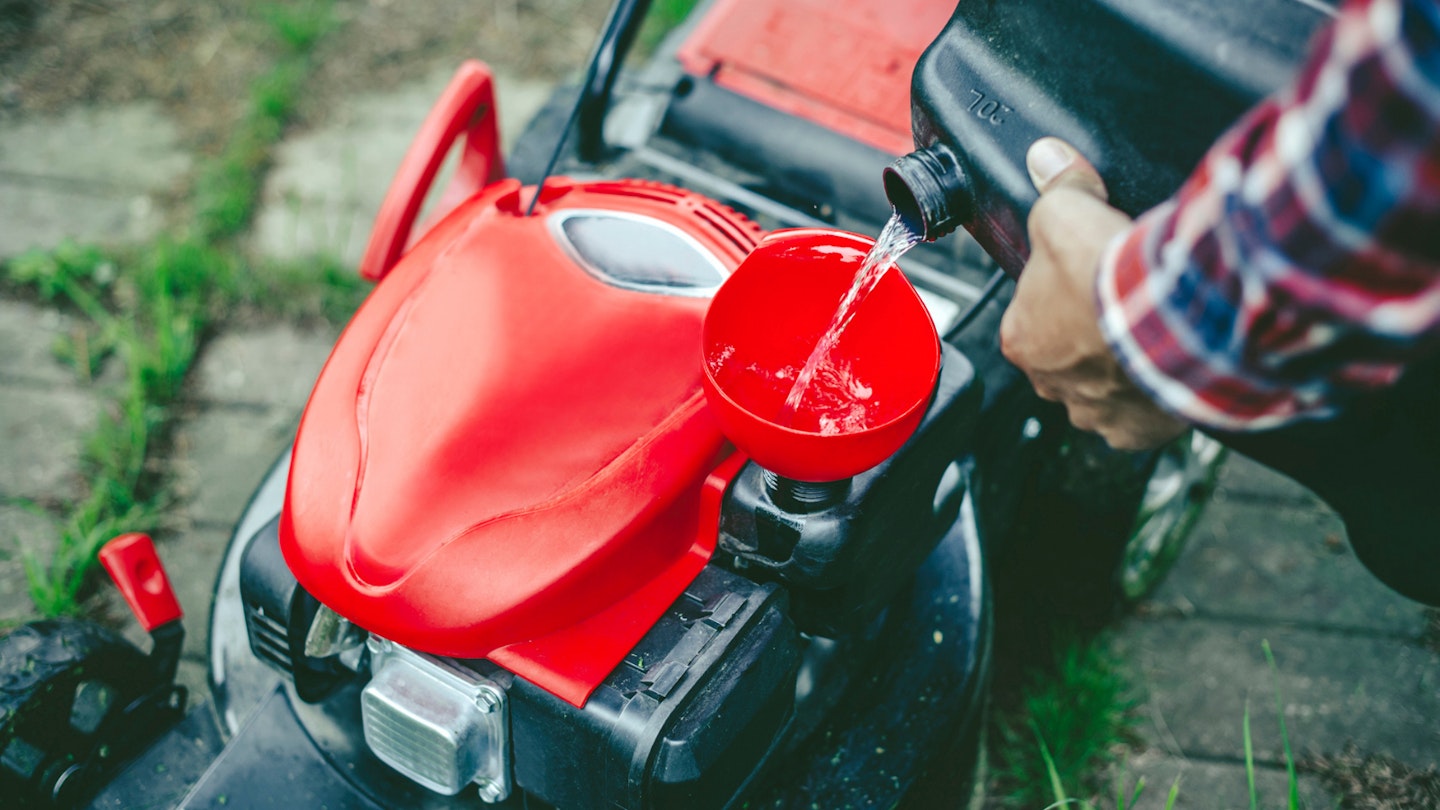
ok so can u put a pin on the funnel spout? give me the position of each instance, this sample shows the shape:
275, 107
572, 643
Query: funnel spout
928, 190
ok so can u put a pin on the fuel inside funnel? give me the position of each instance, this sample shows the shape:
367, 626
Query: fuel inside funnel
763, 324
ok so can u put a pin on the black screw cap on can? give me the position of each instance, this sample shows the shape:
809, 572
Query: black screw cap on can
928, 191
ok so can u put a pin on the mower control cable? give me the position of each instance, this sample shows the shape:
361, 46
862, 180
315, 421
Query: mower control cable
594, 94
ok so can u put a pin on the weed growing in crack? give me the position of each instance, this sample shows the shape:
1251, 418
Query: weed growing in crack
150, 308
1054, 778
227, 192
1078, 712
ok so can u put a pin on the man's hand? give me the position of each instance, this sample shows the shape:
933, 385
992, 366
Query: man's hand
1051, 328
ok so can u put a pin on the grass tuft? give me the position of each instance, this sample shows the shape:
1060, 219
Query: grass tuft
301, 24
1070, 704
1078, 710
53, 274
1293, 799
663, 17
150, 313
228, 189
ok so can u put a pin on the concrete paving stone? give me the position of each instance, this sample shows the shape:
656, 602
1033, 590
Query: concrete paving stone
1215, 785
272, 366
1283, 563
28, 334
1194, 678
220, 457
40, 439
22, 531
1244, 478
42, 216
327, 184
133, 146
90, 174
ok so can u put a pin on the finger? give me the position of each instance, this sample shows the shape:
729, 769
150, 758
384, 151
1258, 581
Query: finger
1088, 417
1053, 164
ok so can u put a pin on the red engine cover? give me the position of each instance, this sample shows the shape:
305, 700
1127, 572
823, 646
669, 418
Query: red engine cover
505, 456
844, 64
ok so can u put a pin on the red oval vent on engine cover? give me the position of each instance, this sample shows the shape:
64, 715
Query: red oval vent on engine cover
506, 454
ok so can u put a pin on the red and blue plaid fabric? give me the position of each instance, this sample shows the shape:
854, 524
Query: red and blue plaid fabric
1299, 265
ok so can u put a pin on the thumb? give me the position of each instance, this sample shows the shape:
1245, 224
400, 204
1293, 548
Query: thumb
1053, 164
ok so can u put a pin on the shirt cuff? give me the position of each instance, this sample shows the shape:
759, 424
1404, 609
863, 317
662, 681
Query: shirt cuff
1129, 302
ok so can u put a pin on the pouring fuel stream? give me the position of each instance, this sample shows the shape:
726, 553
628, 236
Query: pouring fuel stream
895, 239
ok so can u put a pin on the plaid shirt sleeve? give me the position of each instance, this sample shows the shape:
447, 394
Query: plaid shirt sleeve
1300, 264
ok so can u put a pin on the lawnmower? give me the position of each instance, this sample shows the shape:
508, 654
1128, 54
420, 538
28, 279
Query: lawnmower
538, 543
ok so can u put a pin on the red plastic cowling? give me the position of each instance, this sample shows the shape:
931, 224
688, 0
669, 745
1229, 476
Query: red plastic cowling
843, 64
133, 565
506, 457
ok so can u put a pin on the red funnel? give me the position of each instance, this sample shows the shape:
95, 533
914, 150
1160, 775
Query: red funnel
764, 322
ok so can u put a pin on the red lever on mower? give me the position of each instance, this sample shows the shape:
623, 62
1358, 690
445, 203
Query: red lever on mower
132, 563
467, 106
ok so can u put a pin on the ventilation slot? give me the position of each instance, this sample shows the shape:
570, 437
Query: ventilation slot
645, 191
744, 242
268, 638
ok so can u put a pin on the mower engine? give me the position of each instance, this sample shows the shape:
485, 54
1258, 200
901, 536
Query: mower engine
515, 548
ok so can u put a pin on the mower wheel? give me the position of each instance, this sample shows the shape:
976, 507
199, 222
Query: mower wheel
1102, 528
69, 691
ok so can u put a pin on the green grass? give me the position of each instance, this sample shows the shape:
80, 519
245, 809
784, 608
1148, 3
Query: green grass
1066, 727
228, 189
300, 25
663, 17
1051, 775
149, 308
1293, 798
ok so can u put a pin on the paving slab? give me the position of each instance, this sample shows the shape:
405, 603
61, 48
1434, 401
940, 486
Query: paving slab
1194, 678
253, 384
28, 334
272, 366
1215, 785
41, 430
89, 174
133, 146
1283, 563
327, 184
1245, 478
221, 455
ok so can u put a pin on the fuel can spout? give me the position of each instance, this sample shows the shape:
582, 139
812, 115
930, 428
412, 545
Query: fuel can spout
928, 191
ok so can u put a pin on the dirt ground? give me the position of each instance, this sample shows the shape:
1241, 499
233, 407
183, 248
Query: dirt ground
197, 58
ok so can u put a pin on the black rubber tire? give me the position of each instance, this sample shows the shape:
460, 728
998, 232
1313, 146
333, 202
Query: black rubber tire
41, 664
1074, 544
37, 653
1060, 565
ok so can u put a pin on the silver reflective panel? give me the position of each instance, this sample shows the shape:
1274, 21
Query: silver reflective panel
437, 723
637, 252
